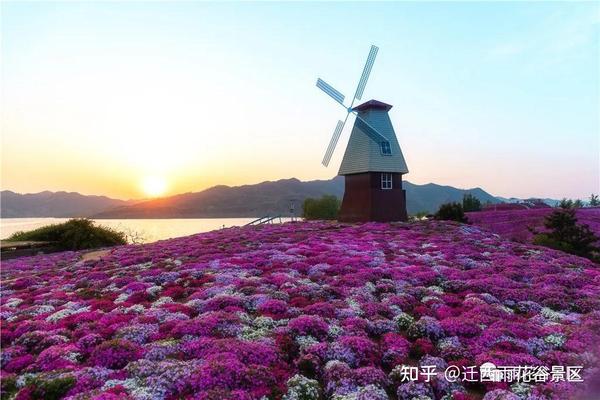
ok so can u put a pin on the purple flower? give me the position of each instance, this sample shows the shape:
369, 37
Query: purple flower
412, 390
115, 354
395, 349
235, 313
354, 350
306, 325
428, 327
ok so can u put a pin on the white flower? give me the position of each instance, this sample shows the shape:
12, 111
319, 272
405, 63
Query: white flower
302, 388
65, 312
73, 357
122, 298
14, 302
305, 341
552, 315
355, 306
264, 322
154, 290
436, 289
334, 330
404, 320
134, 309
43, 309
555, 339
161, 301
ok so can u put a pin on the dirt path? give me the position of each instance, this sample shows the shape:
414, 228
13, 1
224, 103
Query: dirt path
94, 255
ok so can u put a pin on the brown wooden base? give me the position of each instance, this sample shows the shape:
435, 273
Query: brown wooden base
364, 200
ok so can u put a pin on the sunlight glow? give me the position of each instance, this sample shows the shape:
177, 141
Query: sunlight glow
154, 186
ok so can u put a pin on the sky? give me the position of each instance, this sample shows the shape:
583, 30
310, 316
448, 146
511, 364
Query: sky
133, 99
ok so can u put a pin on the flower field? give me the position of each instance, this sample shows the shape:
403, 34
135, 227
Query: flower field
299, 311
514, 224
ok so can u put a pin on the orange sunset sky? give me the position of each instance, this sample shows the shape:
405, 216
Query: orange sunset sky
133, 100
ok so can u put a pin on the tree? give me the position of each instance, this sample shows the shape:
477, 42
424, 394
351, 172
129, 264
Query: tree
326, 207
471, 203
451, 212
594, 200
578, 204
564, 234
565, 203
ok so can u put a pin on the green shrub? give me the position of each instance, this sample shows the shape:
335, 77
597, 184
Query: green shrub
451, 212
471, 203
566, 203
75, 234
8, 386
564, 234
594, 200
51, 389
326, 207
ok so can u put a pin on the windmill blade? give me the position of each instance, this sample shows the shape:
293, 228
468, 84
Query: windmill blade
366, 72
327, 88
371, 132
333, 142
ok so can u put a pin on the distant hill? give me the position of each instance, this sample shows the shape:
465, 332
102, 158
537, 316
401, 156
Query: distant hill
430, 196
550, 202
53, 204
274, 198
271, 197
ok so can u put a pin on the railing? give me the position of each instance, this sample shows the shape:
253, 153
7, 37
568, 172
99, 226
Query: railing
267, 219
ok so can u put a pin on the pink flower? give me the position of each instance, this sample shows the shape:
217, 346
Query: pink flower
115, 354
309, 325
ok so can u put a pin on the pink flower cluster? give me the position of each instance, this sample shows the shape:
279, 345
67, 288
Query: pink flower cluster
298, 311
514, 224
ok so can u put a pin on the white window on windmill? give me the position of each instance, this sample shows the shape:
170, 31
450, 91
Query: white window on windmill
386, 150
386, 180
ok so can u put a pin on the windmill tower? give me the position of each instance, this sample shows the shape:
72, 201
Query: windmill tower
373, 163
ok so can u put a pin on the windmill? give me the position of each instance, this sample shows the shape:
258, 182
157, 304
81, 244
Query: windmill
373, 162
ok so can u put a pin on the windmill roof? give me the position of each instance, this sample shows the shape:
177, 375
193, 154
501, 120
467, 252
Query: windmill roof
373, 104
363, 154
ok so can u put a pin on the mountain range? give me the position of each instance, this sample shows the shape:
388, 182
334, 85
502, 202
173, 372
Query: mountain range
266, 198
53, 204
550, 202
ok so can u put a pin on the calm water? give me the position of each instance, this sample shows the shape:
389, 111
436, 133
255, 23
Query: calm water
145, 230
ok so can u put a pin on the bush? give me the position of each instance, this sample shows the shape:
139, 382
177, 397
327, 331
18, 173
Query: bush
565, 235
566, 204
326, 207
51, 389
471, 203
8, 386
594, 200
451, 212
75, 234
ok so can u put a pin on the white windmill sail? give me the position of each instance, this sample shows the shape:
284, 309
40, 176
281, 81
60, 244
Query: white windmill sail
336, 95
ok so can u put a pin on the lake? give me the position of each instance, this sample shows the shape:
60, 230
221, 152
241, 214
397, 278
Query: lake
143, 230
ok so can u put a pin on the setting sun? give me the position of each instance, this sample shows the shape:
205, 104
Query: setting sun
154, 186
